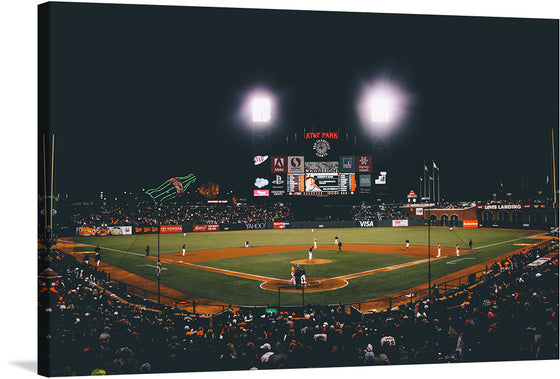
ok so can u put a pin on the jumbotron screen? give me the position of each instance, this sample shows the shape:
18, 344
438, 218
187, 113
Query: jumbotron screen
316, 171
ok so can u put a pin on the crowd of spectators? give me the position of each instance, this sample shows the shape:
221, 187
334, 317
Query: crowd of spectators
364, 212
146, 214
511, 315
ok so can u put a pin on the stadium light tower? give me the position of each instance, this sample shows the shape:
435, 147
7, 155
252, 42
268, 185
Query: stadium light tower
258, 112
261, 110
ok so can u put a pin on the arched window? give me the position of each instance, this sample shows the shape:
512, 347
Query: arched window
487, 216
444, 220
536, 217
454, 220
550, 217
517, 217
433, 219
503, 216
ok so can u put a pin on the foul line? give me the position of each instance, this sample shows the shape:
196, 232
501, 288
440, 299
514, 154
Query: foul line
501, 243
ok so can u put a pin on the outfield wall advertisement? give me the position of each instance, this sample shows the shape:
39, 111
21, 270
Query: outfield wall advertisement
206, 228
366, 223
104, 231
164, 229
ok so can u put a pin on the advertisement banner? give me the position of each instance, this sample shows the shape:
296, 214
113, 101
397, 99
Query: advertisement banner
470, 223
365, 180
347, 164
321, 167
103, 231
278, 165
255, 225
419, 211
363, 163
83, 231
126, 230
296, 164
261, 193
366, 224
206, 228
400, 222
280, 225
278, 186
171, 229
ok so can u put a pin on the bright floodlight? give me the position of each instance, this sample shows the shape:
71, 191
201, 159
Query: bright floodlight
261, 109
382, 106
379, 110
258, 108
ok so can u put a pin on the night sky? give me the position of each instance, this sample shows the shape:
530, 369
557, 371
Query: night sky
140, 94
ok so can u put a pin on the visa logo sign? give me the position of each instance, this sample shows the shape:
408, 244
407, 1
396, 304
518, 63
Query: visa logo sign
366, 224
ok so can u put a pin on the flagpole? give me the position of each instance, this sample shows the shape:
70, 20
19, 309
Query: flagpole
438, 189
554, 180
424, 170
434, 180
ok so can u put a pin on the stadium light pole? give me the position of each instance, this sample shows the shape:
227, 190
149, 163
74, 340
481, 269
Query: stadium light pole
429, 257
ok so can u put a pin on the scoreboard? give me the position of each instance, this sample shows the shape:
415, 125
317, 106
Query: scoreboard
321, 184
321, 168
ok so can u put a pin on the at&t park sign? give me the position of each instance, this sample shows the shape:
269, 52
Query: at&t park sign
330, 135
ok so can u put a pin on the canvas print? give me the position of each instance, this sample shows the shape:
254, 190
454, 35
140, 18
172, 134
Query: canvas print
229, 189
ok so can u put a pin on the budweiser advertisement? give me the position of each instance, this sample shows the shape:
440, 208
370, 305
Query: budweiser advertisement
206, 228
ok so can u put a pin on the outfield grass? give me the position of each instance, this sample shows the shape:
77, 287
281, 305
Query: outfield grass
128, 253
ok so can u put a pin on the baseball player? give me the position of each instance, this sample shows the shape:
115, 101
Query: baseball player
97, 255
303, 278
184, 250
339, 245
457, 249
158, 265
293, 278
315, 243
470, 244
438, 250
336, 241
310, 252
147, 250
407, 244
246, 243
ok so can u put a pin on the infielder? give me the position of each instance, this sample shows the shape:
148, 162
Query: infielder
457, 249
183, 250
315, 243
438, 250
158, 265
407, 244
336, 241
310, 253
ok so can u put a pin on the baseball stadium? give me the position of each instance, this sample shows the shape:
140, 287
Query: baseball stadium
312, 246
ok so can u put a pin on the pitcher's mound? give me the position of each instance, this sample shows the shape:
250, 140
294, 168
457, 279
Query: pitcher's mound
313, 261
313, 285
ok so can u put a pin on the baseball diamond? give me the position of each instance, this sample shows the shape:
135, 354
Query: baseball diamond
363, 272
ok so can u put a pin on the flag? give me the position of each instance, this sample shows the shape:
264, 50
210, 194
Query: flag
547, 179
501, 184
425, 168
431, 178
421, 180
436, 167
170, 188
